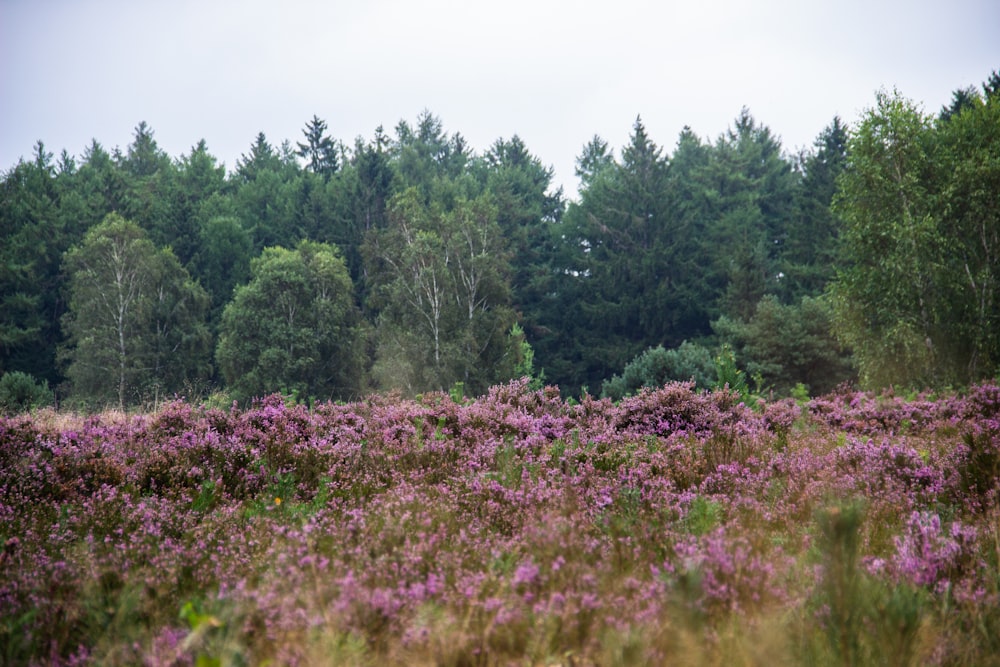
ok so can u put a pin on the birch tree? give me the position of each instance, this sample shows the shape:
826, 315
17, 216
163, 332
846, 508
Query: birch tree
442, 292
136, 321
888, 298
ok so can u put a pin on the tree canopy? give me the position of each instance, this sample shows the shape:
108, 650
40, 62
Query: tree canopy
135, 322
917, 302
409, 261
294, 328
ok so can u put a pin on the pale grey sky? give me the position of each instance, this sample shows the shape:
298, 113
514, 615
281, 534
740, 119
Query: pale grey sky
555, 73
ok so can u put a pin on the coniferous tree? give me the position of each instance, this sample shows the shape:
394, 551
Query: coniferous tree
369, 192
32, 244
262, 157
595, 158
267, 195
150, 182
788, 344
319, 151
222, 261
754, 207
144, 157
603, 277
197, 178
694, 288
961, 99
101, 184
427, 157
528, 212
809, 255
655, 250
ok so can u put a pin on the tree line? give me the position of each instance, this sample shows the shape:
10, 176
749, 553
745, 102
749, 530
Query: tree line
409, 262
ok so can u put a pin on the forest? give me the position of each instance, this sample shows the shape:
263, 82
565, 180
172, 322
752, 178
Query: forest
328, 270
399, 402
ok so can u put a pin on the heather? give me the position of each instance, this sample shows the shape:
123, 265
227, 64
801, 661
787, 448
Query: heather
676, 526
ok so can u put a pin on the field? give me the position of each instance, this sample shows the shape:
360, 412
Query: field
672, 528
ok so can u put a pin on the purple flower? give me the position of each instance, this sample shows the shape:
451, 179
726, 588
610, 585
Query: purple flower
526, 574
928, 556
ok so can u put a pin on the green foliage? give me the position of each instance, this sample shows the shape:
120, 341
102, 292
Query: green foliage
508, 467
319, 151
789, 344
446, 249
440, 283
619, 283
208, 496
369, 185
196, 189
294, 328
153, 199
659, 245
426, 156
528, 214
864, 621
136, 321
595, 157
37, 224
702, 516
658, 366
729, 376
210, 638
800, 393
20, 392
969, 155
840, 539
266, 196
754, 204
916, 299
222, 260
282, 498
889, 300
524, 359
809, 252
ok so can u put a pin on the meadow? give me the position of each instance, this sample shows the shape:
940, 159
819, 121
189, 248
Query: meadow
674, 527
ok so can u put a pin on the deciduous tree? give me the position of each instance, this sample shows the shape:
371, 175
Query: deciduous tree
135, 325
294, 328
442, 289
893, 299
968, 147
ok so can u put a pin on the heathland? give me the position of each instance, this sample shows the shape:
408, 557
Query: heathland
676, 526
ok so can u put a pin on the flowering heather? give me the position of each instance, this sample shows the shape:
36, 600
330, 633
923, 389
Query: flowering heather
674, 526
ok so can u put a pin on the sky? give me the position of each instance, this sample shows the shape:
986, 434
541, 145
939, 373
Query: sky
555, 73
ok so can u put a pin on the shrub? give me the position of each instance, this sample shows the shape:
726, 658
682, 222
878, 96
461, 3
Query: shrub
658, 366
788, 344
20, 392
670, 528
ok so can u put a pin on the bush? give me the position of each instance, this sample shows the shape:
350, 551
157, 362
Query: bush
788, 345
658, 366
20, 392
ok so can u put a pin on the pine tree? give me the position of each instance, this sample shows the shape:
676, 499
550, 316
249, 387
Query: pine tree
319, 151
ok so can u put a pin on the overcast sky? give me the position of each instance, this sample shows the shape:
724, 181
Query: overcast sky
555, 73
